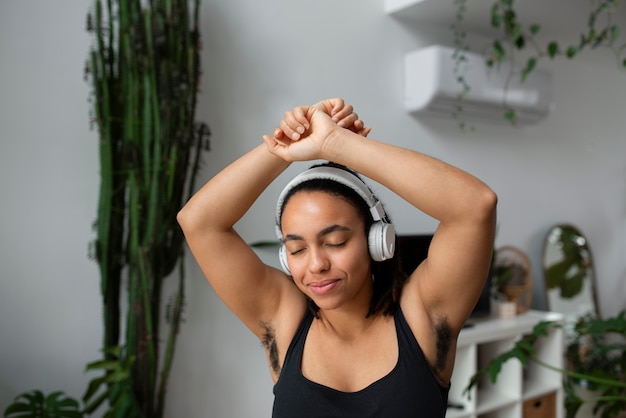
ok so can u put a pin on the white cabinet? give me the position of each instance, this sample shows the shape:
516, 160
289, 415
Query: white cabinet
519, 391
547, 14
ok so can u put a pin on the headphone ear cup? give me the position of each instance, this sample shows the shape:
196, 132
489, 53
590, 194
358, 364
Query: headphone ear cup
282, 257
381, 241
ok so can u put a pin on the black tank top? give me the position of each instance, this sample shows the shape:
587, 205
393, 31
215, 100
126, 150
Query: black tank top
410, 390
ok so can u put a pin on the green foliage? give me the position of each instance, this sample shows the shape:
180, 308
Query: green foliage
144, 68
514, 36
569, 273
113, 386
597, 356
35, 405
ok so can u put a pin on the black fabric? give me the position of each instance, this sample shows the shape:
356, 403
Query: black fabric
410, 390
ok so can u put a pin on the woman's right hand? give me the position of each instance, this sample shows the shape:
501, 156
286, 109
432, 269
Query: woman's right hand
304, 131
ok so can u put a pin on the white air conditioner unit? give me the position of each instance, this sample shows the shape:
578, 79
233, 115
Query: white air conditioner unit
432, 88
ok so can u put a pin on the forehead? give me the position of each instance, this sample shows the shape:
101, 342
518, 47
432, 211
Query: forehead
308, 207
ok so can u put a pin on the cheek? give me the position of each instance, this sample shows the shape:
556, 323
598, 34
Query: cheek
354, 260
359, 260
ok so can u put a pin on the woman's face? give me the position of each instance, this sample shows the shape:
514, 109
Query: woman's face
327, 249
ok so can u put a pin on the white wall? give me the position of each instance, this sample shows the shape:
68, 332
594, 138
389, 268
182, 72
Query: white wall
259, 59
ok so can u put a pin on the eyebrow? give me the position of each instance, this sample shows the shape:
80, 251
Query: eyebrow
328, 230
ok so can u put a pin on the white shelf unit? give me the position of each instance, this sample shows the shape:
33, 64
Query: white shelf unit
548, 14
515, 386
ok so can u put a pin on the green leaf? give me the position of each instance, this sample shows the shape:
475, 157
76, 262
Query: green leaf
17, 407
94, 404
496, 17
534, 29
494, 369
571, 286
93, 386
34, 404
510, 116
556, 272
530, 66
614, 33
571, 52
498, 50
103, 365
553, 49
509, 22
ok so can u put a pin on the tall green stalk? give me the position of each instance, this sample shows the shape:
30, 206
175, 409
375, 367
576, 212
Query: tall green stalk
144, 69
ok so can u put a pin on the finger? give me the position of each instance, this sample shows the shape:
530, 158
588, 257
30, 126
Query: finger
348, 120
273, 143
337, 105
340, 114
365, 131
291, 124
288, 131
279, 136
300, 115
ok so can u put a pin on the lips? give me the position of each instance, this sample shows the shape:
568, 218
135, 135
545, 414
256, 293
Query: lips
323, 287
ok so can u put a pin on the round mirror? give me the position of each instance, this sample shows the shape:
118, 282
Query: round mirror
569, 274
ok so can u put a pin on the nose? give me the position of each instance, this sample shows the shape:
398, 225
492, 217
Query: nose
318, 260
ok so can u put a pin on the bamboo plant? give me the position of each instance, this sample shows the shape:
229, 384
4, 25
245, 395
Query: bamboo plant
144, 69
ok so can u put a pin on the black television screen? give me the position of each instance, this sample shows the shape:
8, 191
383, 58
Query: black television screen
413, 249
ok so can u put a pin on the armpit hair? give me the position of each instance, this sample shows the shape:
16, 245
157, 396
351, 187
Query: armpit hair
443, 333
269, 343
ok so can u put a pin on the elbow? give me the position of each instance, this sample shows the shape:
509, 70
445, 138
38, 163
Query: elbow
184, 218
487, 205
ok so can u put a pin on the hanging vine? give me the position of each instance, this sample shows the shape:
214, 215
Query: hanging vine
514, 36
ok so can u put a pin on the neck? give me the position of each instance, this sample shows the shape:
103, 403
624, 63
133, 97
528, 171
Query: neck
346, 323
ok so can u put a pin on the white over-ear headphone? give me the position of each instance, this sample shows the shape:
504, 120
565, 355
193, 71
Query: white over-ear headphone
381, 236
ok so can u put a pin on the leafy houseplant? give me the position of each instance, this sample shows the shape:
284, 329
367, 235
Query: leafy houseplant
596, 354
35, 404
144, 69
508, 273
514, 37
511, 283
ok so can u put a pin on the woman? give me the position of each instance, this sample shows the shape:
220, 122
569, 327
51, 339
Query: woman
343, 338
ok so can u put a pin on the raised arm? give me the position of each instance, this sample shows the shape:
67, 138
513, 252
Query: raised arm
254, 291
246, 285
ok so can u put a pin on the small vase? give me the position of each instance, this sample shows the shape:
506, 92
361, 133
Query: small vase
507, 310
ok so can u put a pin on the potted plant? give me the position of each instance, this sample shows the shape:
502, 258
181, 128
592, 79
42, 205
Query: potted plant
510, 281
35, 404
596, 360
144, 68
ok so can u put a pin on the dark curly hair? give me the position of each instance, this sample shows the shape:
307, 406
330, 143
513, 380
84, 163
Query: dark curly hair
388, 277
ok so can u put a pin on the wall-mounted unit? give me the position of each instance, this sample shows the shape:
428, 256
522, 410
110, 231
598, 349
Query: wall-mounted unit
432, 87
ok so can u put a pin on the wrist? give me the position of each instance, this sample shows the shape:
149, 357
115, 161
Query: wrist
338, 144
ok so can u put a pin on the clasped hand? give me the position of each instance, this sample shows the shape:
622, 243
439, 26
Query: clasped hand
306, 131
